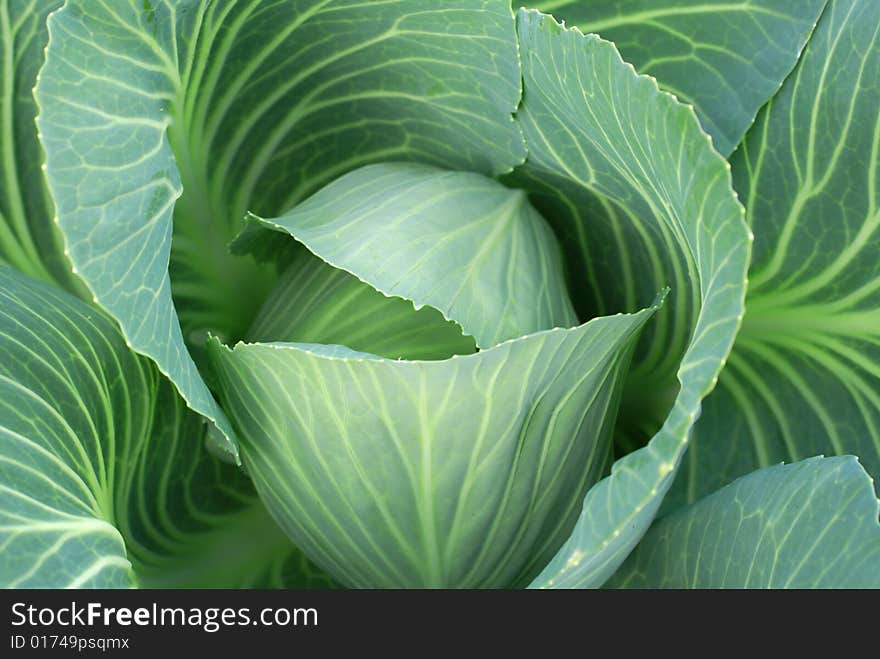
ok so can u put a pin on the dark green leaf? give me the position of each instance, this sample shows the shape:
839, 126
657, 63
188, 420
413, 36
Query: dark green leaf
104, 476
804, 376
726, 58
29, 239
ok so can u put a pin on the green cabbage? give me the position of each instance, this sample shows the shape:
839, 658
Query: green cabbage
410, 294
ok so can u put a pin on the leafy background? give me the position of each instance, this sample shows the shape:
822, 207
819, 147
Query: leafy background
192, 120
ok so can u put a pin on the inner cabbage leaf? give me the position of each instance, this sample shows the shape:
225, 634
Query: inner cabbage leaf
458, 472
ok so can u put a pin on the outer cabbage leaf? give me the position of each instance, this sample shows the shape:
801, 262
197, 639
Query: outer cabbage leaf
247, 105
631, 183
812, 524
804, 375
104, 476
727, 58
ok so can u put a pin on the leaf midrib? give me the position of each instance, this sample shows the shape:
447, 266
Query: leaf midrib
765, 321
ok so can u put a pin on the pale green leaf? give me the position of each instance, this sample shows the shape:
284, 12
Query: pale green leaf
635, 191
811, 524
465, 472
725, 57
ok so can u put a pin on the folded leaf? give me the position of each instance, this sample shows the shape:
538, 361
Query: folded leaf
812, 524
804, 375
314, 302
631, 184
456, 241
104, 476
465, 472
727, 58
